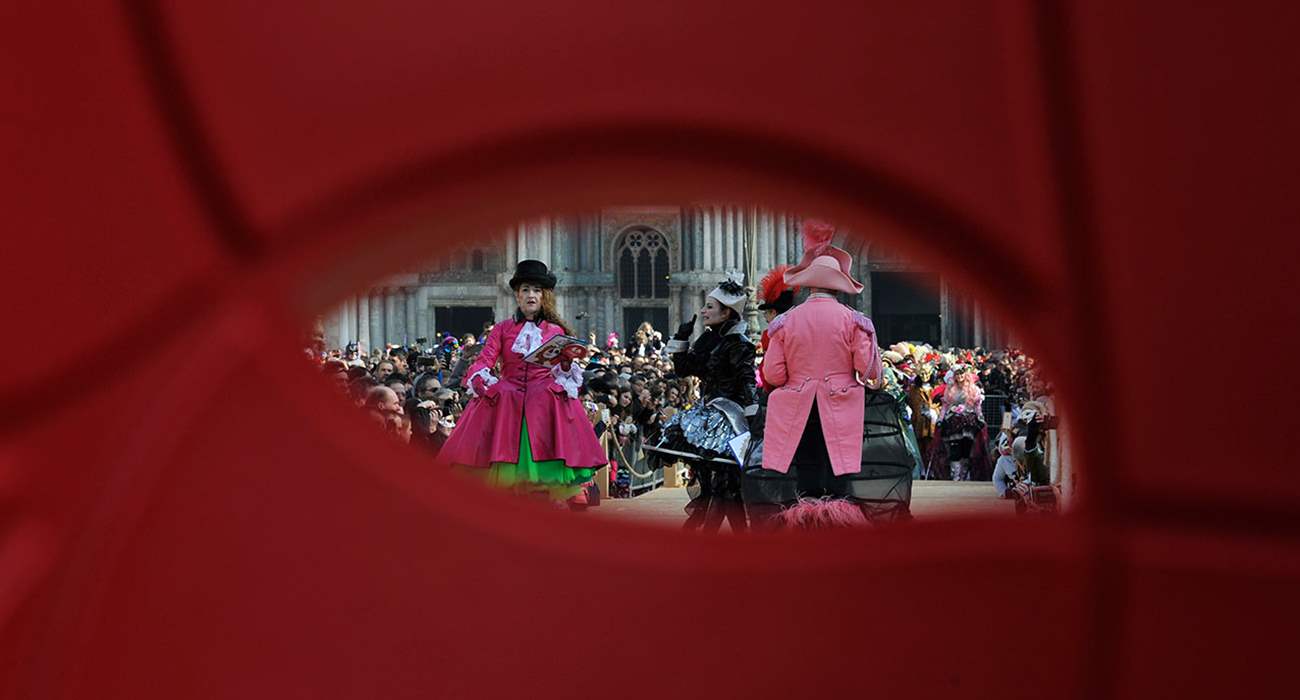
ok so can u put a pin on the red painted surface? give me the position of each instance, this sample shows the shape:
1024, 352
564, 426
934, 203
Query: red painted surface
185, 514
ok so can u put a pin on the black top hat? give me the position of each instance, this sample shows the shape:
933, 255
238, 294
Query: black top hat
533, 271
781, 303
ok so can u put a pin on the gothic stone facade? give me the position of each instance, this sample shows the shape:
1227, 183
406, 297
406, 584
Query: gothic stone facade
624, 265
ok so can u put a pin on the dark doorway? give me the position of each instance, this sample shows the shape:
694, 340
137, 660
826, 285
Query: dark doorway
459, 320
634, 316
905, 307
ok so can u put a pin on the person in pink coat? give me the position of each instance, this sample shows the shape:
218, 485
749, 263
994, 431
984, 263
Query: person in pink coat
820, 356
525, 427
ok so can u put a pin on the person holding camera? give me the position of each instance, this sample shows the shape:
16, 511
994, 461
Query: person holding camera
425, 417
1021, 473
525, 428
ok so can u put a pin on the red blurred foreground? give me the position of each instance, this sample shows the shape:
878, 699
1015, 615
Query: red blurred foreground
181, 517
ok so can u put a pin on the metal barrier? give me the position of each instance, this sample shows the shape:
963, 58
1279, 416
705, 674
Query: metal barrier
994, 406
635, 473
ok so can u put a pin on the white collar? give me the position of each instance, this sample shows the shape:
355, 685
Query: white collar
530, 336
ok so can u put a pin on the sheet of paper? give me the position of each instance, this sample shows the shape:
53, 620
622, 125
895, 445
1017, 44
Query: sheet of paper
739, 445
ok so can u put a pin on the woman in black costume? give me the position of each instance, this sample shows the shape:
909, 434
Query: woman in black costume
712, 436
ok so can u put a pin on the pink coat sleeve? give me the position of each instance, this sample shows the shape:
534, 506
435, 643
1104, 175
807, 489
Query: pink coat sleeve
487, 358
866, 353
773, 369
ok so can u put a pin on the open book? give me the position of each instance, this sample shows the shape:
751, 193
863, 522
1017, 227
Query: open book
556, 350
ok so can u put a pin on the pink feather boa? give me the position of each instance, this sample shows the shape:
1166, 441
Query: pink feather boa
823, 513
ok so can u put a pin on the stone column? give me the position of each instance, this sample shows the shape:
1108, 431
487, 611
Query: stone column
719, 238
796, 239
550, 252
422, 313
412, 311
697, 239
782, 240
706, 238
342, 323
945, 314
390, 316
612, 319
585, 245
363, 321
685, 240
866, 304
336, 328
354, 318
731, 238
376, 319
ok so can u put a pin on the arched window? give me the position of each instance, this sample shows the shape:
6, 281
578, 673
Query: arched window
643, 265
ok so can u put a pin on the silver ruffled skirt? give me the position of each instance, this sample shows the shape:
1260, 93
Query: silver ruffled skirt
707, 432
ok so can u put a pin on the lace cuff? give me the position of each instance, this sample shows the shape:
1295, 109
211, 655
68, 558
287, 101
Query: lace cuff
485, 375
571, 380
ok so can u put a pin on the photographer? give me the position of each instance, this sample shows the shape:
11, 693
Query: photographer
1006, 473
1021, 472
1031, 456
426, 386
425, 418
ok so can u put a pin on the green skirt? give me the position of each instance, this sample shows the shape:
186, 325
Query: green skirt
551, 476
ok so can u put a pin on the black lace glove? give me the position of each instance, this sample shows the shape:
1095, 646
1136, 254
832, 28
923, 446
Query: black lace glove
684, 330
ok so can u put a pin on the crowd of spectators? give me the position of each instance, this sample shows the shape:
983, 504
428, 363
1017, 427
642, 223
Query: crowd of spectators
415, 392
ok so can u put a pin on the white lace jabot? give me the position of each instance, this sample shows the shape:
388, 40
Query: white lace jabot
528, 339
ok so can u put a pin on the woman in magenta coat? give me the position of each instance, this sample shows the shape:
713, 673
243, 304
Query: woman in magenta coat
525, 427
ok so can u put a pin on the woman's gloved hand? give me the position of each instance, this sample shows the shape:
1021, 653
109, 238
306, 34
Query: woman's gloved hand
477, 384
684, 330
483, 389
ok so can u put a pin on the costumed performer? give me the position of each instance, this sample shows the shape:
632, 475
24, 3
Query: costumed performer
819, 357
900, 417
778, 298
705, 436
962, 434
525, 428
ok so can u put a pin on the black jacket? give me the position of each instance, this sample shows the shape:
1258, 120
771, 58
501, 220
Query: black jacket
724, 362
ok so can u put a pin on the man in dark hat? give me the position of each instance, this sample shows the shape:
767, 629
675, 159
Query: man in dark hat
777, 297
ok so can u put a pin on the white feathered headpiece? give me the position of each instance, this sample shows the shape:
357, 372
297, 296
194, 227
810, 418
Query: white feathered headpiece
731, 292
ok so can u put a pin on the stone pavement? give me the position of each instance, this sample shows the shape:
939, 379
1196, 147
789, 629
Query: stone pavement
930, 499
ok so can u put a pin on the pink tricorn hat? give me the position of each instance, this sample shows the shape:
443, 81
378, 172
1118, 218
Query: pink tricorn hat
823, 265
